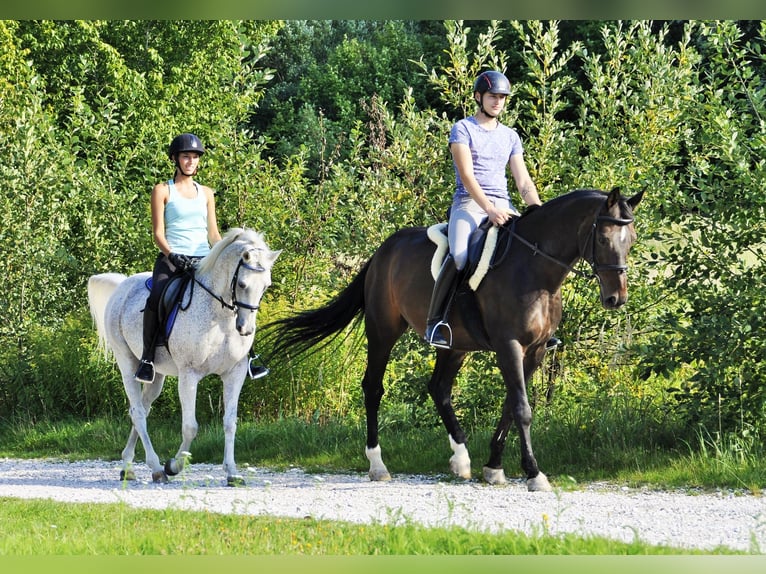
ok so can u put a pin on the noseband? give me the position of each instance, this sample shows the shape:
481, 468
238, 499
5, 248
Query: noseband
594, 265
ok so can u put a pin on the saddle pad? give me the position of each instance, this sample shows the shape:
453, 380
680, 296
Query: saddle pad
438, 234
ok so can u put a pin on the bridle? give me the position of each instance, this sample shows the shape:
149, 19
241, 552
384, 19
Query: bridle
596, 267
235, 303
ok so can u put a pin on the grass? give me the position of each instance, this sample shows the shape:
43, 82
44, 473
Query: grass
43, 527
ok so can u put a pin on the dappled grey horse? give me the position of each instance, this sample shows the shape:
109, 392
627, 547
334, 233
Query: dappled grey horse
211, 335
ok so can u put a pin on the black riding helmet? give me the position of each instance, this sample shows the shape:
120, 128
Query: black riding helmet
492, 82
185, 142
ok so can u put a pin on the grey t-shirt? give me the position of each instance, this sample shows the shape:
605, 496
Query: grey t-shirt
491, 150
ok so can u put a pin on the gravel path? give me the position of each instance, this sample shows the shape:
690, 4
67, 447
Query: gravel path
682, 519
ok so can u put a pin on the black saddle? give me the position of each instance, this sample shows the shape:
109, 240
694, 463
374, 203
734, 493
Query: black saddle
171, 301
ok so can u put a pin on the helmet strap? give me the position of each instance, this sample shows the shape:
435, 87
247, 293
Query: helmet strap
179, 168
481, 107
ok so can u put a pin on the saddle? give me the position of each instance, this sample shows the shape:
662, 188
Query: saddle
482, 245
171, 301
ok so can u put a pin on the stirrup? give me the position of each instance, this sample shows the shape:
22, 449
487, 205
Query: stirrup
553, 343
256, 370
145, 372
434, 333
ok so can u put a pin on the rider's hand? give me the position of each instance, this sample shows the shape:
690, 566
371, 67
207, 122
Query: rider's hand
180, 261
500, 215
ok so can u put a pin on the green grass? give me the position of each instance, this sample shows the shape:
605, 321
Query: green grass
43, 527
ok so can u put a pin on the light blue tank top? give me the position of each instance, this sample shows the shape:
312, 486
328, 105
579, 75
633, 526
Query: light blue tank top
186, 222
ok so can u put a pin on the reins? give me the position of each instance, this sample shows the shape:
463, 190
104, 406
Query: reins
235, 304
595, 266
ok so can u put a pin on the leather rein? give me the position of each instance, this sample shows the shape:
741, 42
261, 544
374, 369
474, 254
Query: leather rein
596, 268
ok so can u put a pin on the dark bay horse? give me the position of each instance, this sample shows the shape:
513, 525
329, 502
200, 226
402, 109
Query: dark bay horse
513, 312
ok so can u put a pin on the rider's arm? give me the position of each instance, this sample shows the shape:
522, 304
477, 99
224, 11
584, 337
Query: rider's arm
213, 234
160, 195
524, 182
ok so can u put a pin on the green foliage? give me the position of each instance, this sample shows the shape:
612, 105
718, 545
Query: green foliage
329, 136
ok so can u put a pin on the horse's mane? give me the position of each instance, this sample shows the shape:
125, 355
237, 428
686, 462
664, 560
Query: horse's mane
234, 234
576, 195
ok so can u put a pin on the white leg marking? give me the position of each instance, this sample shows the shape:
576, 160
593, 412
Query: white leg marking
378, 470
494, 475
459, 462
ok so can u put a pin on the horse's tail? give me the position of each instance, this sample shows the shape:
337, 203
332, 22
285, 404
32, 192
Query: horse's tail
300, 332
100, 289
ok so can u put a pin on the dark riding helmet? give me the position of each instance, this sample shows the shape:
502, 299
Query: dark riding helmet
492, 82
185, 142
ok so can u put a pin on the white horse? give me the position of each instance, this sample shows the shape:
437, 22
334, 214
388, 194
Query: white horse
212, 335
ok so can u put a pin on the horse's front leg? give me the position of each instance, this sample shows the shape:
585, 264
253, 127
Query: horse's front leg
448, 363
187, 394
515, 408
232, 386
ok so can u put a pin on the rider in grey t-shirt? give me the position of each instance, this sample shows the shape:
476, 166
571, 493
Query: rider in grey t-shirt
482, 149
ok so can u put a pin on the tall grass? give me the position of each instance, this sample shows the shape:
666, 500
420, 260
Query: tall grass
44, 527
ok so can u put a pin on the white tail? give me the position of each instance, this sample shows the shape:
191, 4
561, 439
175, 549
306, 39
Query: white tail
100, 289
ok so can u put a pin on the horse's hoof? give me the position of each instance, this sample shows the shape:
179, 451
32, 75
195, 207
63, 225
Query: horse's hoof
235, 480
494, 476
160, 477
460, 468
172, 467
378, 471
379, 475
126, 475
539, 483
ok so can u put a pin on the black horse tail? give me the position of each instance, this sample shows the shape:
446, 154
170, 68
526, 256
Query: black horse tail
302, 332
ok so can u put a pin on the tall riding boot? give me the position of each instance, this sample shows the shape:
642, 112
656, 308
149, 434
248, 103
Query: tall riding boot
445, 283
145, 372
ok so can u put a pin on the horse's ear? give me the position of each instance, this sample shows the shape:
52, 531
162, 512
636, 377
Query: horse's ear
272, 255
613, 198
636, 199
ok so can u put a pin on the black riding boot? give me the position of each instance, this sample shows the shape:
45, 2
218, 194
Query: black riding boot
145, 372
445, 283
254, 367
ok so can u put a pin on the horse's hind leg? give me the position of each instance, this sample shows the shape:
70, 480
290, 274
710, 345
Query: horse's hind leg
140, 405
372, 385
187, 394
378, 353
448, 363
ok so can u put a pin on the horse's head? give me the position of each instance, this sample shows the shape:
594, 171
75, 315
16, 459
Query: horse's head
249, 283
242, 261
607, 244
